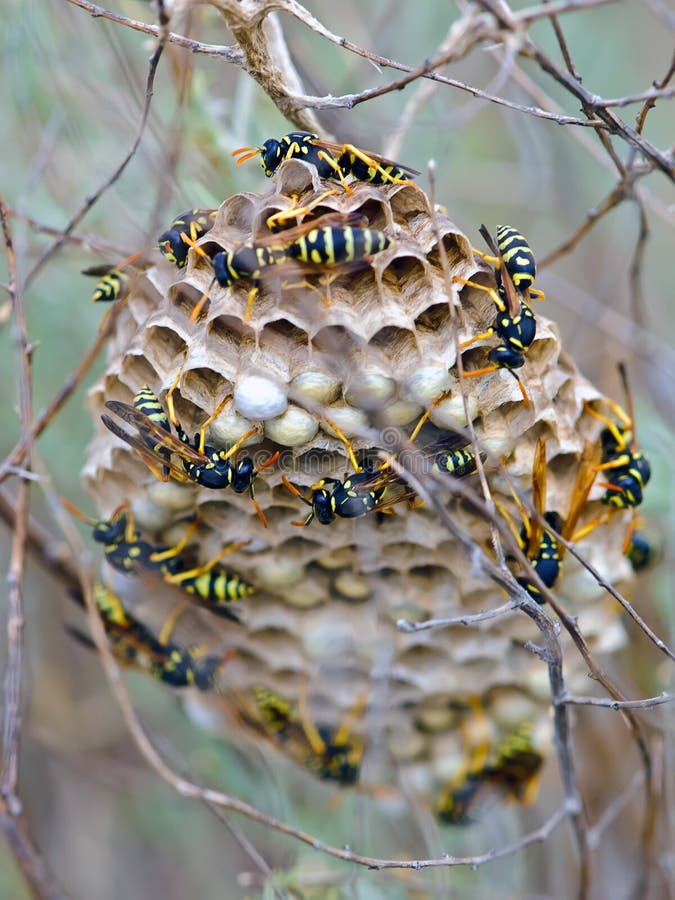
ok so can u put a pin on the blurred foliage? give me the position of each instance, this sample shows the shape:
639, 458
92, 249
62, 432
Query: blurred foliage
107, 826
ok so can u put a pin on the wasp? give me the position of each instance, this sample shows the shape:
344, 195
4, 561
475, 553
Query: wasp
115, 282
174, 243
332, 754
323, 243
134, 645
114, 285
510, 771
209, 585
541, 546
331, 160
202, 464
627, 468
359, 493
638, 549
515, 324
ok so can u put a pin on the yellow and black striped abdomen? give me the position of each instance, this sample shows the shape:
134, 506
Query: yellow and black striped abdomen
331, 245
111, 287
518, 257
216, 587
146, 401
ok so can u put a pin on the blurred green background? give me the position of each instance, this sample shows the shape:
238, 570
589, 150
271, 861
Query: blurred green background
71, 107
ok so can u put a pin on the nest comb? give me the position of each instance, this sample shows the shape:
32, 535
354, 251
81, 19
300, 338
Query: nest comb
323, 619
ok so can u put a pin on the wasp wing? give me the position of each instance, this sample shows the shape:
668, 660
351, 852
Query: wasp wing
339, 149
151, 430
154, 461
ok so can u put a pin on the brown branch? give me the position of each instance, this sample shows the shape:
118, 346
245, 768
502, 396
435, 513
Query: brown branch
230, 54
48, 549
651, 101
12, 817
15, 457
593, 216
647, 703
408, 627
110, 181
626, 606
562, 43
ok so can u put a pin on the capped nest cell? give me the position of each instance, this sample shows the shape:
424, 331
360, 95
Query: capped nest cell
368, 349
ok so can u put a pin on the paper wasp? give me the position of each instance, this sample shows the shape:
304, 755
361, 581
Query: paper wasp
210, 585
515, 324
541, 546
135, 646
314, 246
511, 771
359, 493
202, 464
628, 470
330, 754
190, 225
113, 285
639, 550
331, 160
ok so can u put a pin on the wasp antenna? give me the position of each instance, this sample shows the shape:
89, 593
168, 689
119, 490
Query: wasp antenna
270, 462
129, 259
259, 511
76, 512
249, 152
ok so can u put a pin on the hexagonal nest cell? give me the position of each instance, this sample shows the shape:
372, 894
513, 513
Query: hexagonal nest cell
365, 349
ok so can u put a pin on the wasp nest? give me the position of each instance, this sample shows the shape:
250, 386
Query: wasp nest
377, 348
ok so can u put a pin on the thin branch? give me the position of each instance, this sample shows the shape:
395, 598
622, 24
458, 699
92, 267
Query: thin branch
651, 101
626, 606
110, 181
562, 43
408, 627
230, 54
647, 703
12, 819
43, 419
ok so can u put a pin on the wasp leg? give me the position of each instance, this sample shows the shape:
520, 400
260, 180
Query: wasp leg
494, 296
418, 427
179, 547
348, 445
332, 162
490, 260
173, 418
486, 369
307, 284
536, 294
279, 219
190, 574
477, 337
620, 439
373, 164
591, 526
214, 415
171, 621
252, 294
344, 731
